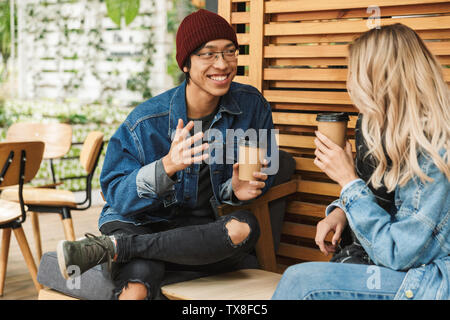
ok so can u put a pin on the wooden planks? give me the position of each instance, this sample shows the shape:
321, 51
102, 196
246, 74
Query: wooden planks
441, 48
347, 37
361, 12
350, 26
320, 5
301, 253
256, 43
336, 98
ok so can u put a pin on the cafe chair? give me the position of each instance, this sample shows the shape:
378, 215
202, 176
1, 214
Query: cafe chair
49, 200
19, 163
56, 136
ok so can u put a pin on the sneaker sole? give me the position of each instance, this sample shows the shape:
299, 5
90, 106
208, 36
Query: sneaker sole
62, 260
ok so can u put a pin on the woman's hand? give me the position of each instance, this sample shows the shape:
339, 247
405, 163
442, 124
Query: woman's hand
247, 190
335, 221
337, 163
181, 155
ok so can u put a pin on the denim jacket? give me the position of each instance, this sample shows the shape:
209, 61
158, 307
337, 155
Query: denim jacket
414, 238
128, 179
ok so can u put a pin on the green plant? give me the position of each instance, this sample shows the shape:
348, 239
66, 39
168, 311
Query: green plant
117, 9
5, 36
73, 118
4, 119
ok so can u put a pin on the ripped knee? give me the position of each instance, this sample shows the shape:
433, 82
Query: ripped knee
237, 231
134, 291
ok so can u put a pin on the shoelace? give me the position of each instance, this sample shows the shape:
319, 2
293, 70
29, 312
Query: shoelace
92, 253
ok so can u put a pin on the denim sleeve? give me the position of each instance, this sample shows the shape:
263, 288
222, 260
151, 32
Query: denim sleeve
419, 232
119, 175
336, 203
153, 179
227, 196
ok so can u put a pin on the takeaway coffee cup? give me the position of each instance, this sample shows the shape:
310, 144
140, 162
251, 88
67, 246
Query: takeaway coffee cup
250, 159
334, 126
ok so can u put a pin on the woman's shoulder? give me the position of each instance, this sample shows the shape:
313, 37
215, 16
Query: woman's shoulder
428, 164
435, 190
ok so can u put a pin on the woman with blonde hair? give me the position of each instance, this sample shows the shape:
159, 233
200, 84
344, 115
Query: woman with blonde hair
402, 140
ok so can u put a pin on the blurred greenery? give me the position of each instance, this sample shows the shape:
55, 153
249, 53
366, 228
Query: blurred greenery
4, 121
180, 9
83, 118
139, 82
5, 36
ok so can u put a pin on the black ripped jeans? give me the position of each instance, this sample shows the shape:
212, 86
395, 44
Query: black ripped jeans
191, 246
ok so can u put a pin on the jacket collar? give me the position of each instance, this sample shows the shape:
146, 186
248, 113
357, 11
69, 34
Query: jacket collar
228, 104
178, 106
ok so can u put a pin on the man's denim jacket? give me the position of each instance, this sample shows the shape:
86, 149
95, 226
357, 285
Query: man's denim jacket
129, 178
415, 238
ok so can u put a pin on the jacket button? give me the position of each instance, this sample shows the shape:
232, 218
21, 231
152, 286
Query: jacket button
409, 294
344, 200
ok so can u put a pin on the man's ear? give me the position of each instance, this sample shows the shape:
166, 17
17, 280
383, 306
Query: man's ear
185, 69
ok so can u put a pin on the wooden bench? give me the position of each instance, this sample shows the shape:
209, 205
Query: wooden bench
295, 52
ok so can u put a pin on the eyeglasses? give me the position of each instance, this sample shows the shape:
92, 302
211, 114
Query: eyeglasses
229, 55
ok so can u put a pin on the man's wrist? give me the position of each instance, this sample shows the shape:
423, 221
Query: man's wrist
168, 168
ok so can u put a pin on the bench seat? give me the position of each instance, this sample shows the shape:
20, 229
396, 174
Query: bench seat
245, 284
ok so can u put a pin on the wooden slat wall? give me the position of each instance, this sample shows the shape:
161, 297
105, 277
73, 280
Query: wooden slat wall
295, 52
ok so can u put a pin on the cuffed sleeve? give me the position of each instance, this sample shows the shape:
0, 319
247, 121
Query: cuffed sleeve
335, 204
348, 185
153, 180
227, 195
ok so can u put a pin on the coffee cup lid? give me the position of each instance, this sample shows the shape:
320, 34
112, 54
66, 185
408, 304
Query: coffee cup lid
333, 117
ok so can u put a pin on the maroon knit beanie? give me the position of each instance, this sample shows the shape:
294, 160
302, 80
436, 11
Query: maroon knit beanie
198, 28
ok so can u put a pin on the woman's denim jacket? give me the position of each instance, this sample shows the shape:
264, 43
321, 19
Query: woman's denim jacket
129, 179
414, 238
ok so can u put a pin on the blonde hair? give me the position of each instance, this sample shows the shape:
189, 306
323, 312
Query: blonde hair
398, 86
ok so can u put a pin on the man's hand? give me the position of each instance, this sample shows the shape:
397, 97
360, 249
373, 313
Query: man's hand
181, 154
335, 221
247, 190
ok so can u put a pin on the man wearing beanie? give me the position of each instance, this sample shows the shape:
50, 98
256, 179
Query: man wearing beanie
166, 170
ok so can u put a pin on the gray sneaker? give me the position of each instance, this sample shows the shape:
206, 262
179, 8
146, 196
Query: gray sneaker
85, 253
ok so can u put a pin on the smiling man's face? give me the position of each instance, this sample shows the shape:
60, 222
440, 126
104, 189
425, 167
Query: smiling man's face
212, 77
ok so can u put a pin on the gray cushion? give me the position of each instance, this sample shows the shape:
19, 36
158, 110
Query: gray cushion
94, 284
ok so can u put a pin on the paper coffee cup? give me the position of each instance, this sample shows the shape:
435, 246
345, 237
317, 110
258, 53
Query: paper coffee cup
250, 160
333, 126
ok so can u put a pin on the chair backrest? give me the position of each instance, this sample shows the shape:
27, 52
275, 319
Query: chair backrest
56, 136
10, 155
91, 148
